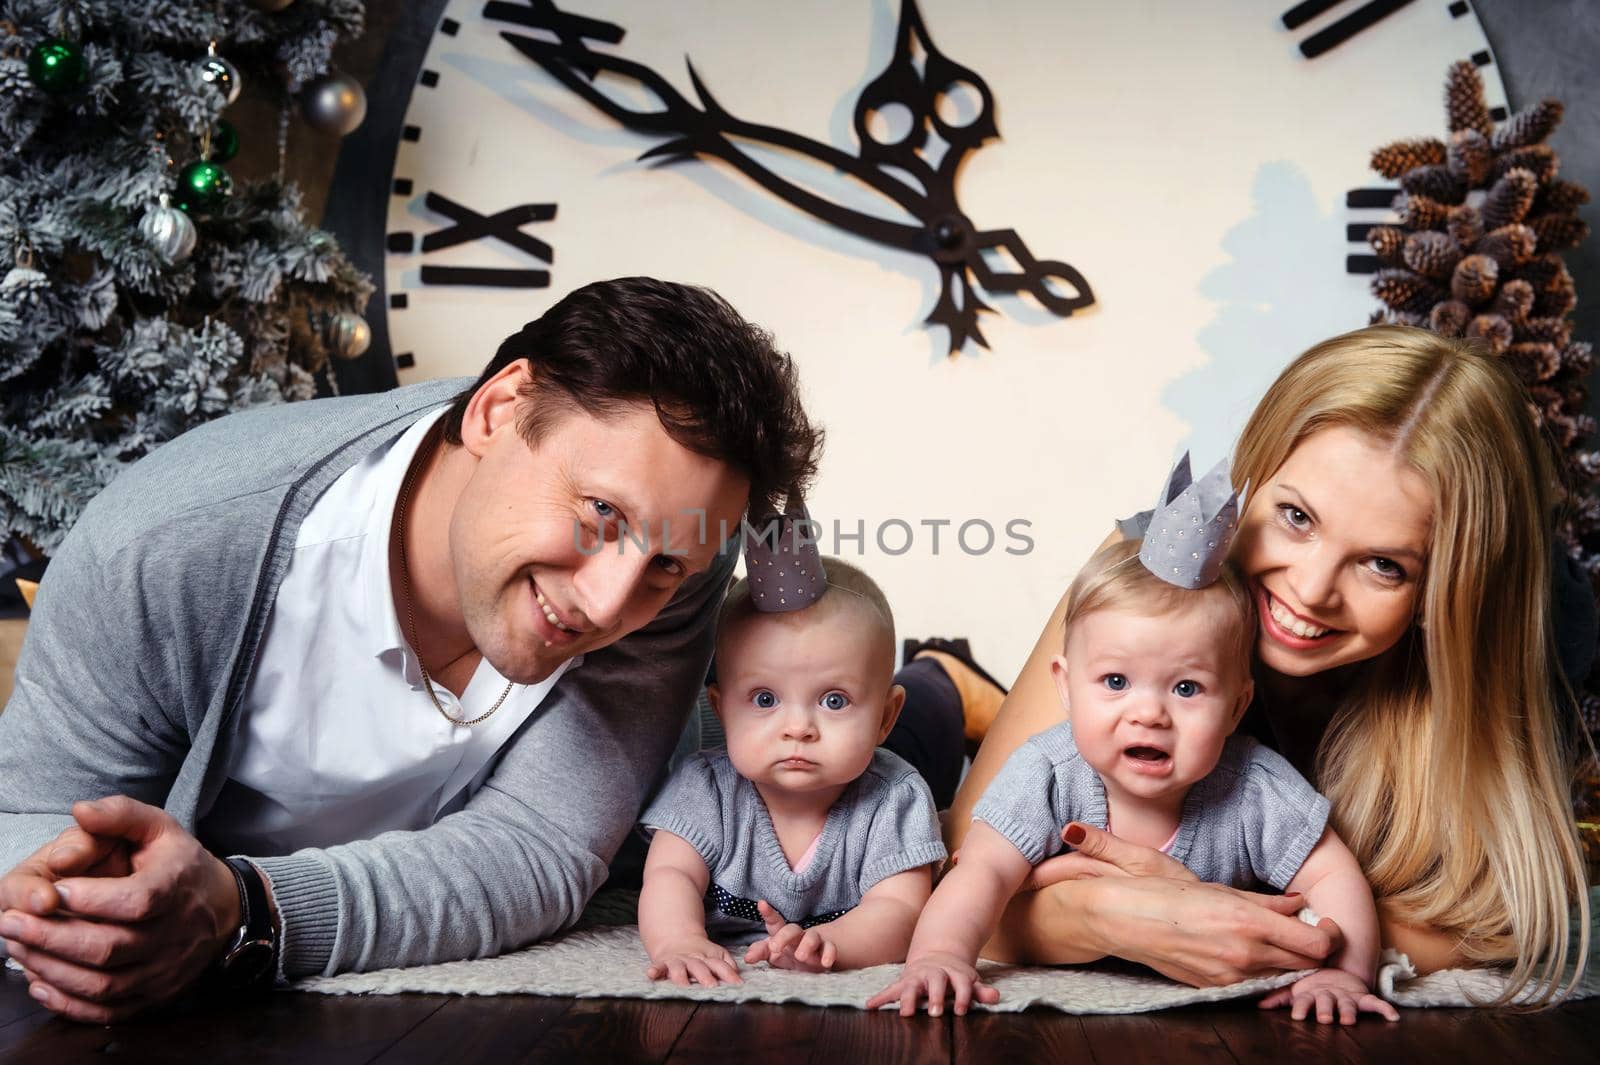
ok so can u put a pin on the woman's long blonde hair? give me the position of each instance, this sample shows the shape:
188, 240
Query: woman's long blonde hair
1445, 766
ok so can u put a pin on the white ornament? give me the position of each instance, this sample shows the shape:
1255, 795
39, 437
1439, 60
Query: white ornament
218, 72
169, 231
349, 335
334, 103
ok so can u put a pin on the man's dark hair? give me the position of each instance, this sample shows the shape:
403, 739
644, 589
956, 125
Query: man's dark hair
719, 386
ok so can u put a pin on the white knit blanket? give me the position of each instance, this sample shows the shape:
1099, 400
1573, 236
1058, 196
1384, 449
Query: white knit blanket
604, 959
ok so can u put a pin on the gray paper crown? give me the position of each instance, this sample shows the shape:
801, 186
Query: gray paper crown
782, 562
1186, 537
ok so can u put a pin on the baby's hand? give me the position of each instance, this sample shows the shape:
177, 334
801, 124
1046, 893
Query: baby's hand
788, 946
1325, 989
694, 959
928, 976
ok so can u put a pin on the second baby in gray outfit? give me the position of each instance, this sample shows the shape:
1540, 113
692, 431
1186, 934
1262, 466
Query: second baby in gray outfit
802, 835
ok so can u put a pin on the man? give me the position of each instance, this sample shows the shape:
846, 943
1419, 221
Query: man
413, 660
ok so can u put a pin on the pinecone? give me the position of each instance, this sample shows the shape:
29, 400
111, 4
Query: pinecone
1561, 196
1434, 255
1450, 318
1535, 363
1510, 198
1557, 300
1557, 331
1465, 224
1407, 293
1558, 232
1469, 156
1542, 272
1463, 99
1492, 328
1513, 301
1474, 279
1509, 246
1395, 159
1420, 212
1531, 125
1540, 160
1578, 358
1434, 182
1387, 242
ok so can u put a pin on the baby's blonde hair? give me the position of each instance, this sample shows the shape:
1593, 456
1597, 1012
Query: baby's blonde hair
1115, 579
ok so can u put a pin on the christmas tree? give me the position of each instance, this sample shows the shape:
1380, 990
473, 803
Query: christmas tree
140, 293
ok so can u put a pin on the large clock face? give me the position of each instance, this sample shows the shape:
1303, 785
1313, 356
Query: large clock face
1186, 162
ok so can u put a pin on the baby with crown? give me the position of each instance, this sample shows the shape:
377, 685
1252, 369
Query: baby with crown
1154, 675
802, 838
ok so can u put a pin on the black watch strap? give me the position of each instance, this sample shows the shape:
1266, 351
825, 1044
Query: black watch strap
251, 959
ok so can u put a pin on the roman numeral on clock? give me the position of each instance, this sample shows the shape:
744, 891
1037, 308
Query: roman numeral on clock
1377, 200
1331, 37
467, 225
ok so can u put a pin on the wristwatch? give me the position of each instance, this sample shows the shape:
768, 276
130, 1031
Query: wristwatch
251, 960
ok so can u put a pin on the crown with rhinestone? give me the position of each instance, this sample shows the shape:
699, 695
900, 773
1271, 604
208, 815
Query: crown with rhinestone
1187, 536
782, 562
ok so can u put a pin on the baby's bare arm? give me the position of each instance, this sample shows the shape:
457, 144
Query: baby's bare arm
878, 931
672, 899
966, 906
1333, 885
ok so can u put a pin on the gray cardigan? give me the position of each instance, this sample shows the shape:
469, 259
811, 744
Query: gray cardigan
142, 643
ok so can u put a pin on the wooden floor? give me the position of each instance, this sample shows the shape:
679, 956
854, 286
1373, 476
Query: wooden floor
301, 1028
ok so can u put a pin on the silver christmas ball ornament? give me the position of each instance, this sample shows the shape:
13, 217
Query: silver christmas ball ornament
334, 103
271, 7
169, 231
221, 75
349, 335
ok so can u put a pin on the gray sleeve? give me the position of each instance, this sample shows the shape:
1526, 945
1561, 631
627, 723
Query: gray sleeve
1283, 817
521, 860
88, 716
690, 807
1018, 804
904, 833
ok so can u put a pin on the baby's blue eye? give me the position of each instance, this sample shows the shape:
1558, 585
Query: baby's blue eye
1116, 681
765, 699
1186, 689
836, 700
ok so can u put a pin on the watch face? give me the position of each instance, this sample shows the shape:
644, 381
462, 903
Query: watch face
248, 964
1202, 178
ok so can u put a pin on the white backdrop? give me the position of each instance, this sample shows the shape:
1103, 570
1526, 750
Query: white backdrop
1183, 156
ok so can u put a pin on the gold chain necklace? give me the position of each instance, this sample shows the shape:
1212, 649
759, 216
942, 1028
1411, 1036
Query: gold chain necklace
411, 621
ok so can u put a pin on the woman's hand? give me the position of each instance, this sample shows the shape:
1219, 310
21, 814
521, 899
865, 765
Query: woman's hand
929, 976
1204, 935
1097, 852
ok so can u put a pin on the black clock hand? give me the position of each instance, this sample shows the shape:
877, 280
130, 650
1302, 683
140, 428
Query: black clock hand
891, 169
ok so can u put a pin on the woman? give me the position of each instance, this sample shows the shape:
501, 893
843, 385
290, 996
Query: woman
1398, 541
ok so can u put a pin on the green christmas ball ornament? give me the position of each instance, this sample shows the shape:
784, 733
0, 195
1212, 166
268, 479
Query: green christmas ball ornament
57, 66
224, 142
203, 186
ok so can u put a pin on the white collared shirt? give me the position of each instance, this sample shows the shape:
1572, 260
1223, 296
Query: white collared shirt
337, 740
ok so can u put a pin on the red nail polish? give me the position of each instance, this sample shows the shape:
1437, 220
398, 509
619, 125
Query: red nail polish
1075, 834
